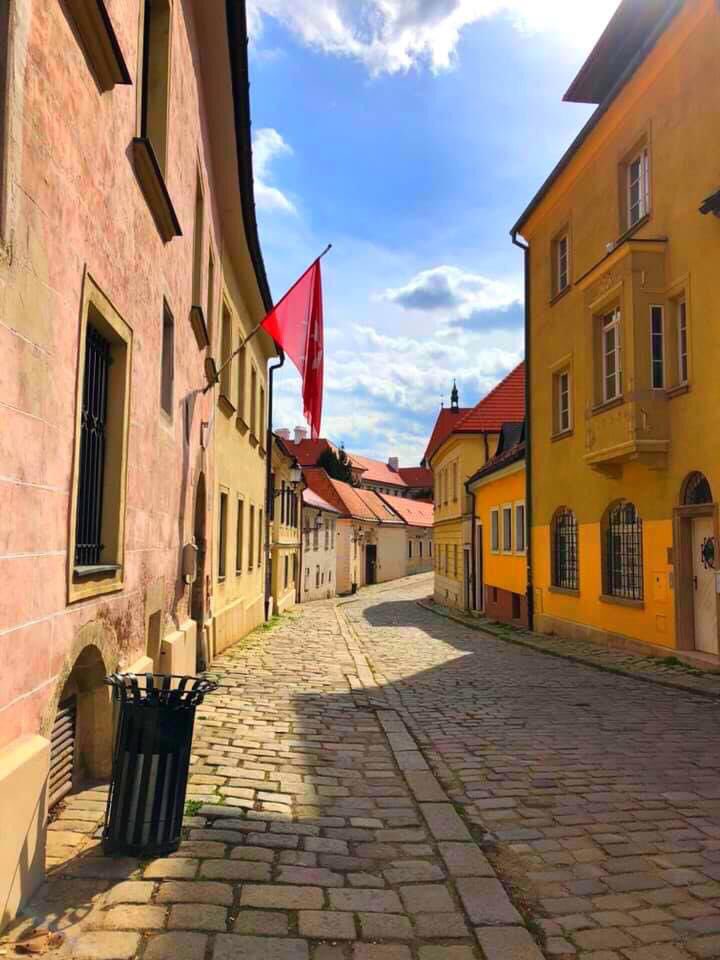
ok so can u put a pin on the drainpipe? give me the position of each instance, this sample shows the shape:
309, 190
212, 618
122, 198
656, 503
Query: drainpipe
525, 247
269, 492
473, 549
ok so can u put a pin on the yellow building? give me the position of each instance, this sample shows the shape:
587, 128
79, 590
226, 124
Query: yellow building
471, 440
286, 523
499, 544
623, 343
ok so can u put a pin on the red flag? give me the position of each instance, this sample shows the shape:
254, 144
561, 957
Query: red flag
296, 325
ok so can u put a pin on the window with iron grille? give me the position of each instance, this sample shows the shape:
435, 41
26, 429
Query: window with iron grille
93, 439
565, 550
623, 552
697, 489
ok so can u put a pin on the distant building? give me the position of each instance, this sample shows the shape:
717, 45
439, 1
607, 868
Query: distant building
418, 533
318, 559
286, 488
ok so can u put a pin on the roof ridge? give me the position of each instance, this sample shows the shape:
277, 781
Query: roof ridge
490, 394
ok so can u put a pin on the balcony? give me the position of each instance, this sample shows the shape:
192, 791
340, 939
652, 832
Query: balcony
626, 418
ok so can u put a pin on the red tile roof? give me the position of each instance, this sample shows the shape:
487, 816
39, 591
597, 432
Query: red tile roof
307, 452
340, 495
416, 513
312, 499
447, 418
420, 477
504, 404
376, 471
381, 510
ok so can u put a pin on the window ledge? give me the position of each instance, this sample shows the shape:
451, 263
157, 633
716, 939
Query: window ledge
622, 601
558, 296
253, 440
152, 184
197, 322
96, 569
607, 405
566, 591
262, 451
562, 434
677, 391
99, 42
241, 425
226, 405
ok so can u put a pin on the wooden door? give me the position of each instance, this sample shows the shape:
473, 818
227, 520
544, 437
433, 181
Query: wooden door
704, 601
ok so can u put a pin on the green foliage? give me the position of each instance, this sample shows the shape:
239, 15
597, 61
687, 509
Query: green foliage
192, 807
336, 465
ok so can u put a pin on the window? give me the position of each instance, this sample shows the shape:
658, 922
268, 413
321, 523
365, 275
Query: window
657, 348
251, 537
516, 609
562, 263
495, 530
317, 576
638, 188
253, 401
294, 568
242, 368
409, 549
561, 391
316, 536
430, 548
210, 296
239, 535
225, 351
222, 535
327, 534
287, 570
421, 549
564, 550
260, 538
455, 481
283, 504
156, 78
261, 435
4, 80
520, 528
623, 552
682, 341
612, 366
198, 234
167, 362
507, 529
307, 538
696, 490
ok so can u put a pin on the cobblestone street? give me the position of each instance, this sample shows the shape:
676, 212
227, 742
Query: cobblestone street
374, 782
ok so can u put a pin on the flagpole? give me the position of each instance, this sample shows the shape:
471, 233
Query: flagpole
259, 325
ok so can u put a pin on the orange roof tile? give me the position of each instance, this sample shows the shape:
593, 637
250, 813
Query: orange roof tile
338, 494
446, 420
307, 452
504, 404
375, 503
376, 471
415, 513
312, 499
417, 477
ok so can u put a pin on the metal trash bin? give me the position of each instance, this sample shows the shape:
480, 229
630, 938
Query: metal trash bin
151, 760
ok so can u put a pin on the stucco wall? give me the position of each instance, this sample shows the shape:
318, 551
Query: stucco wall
319, 564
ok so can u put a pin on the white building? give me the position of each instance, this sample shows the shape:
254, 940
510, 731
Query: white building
319, 548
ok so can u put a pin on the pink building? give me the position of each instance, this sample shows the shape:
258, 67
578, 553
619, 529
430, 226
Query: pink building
128, 252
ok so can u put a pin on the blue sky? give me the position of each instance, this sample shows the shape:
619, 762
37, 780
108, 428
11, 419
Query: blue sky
410, 134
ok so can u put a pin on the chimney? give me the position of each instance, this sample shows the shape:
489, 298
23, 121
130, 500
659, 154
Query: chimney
300, 434
394, 463
284, 434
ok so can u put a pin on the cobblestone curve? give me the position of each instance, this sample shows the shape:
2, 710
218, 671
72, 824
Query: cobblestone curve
595, 795
316, 830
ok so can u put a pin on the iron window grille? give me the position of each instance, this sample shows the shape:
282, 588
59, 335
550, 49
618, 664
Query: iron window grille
697, 490
93, 440
624, 553
565, 551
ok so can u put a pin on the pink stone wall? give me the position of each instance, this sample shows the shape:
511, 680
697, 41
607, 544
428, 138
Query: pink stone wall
73, 204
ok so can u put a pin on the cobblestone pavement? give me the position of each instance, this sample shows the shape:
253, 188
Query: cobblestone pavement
329, 776
596, 797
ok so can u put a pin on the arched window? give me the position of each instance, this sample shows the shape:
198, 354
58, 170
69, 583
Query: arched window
696, 489
564, 549
623, 567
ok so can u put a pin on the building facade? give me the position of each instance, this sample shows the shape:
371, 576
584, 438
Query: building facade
623, 344
499, 537
285, 527
319, 548
417, 540
117, 261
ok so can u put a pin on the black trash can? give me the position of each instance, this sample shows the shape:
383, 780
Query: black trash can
151, 760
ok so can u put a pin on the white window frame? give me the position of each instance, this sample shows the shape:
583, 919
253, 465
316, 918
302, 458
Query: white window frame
642, 159
661, 336
605, 328
563, 427
682, 329
507, 547
520, 504
495, 530
560, 256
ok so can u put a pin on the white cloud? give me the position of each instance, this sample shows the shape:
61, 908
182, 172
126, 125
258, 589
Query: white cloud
267, 145
391, 36
453, 291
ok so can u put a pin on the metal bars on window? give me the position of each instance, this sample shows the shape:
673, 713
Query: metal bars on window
565, 550
88, 538
624, 553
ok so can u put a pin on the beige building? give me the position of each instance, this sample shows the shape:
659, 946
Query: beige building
286, 491
127, 237
319, 548
417, 544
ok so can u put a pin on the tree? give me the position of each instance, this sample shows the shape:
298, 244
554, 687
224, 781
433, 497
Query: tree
336, 465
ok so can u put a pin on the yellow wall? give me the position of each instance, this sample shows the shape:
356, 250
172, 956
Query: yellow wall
643, 448
505, 570
452, 464
285, 541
